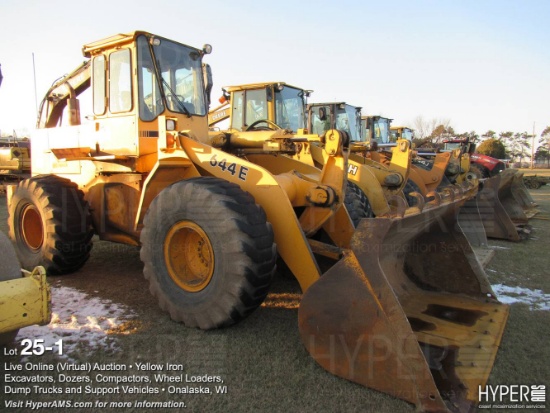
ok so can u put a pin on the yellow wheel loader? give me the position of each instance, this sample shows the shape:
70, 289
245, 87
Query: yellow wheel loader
501, 208
24, 296
211, 219
401, 132
271, 111
392, 175
425, 175
374, 142
15, 161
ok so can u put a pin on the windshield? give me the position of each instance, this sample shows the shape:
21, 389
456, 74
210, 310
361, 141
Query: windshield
451, 146
381, 132
289, 108
407, 134
180, 84
380, 129
348, 118
402, 133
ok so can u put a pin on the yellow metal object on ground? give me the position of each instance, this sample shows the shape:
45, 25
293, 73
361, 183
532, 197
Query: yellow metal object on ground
25, 301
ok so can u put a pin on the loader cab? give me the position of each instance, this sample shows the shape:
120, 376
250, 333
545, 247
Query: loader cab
266, 106
401, 132
150, 77
376, 129
141, 88
324, 116
464, 145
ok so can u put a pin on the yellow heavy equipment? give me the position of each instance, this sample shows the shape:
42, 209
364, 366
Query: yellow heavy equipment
24, 296
503, 204
379, 187
503, 201
343, 116
401, 132
425, 175
210, 217
15, 160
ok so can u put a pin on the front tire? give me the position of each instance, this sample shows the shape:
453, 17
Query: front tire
357, 204
208, 252
50, 224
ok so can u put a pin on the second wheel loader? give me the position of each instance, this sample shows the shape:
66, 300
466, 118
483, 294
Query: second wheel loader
211, 220
265, 112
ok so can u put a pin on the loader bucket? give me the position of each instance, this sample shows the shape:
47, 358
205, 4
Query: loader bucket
522, 195
407, 311
469, 220
506, 194
498, 224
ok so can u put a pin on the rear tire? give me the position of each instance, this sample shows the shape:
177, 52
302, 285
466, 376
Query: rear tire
9, 270
50, 224
208, 252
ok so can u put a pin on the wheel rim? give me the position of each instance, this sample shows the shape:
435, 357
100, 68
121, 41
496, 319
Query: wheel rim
188, 256
32, 230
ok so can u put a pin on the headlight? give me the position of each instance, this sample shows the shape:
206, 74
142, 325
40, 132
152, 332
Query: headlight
170, 124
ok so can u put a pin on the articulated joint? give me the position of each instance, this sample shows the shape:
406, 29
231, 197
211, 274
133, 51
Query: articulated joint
322, 196
393, 180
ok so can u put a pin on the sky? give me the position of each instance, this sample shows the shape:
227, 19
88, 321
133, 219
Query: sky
481, 65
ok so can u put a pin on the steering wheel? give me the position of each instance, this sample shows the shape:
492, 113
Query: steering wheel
270, 125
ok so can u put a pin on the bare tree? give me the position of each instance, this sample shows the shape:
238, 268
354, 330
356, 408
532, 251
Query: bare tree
424, 128
421, 127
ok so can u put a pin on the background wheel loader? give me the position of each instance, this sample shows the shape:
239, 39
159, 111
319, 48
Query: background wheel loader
502, 206
15, 160
426, 175
376, 142
504, 197
265, 112
210, 222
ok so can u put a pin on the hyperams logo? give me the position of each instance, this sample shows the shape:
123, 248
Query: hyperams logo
512, 396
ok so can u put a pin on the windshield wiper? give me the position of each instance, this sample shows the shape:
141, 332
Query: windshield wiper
180, 103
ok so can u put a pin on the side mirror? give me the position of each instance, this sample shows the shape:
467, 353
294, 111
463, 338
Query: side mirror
208, 83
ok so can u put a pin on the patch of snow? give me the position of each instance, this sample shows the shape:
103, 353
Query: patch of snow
535, 299
78, 318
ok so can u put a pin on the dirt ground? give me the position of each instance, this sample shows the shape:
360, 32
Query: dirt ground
261, 360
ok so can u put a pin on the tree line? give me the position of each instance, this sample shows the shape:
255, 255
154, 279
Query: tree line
513, 146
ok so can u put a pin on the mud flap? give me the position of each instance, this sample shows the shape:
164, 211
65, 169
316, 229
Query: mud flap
408, 311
